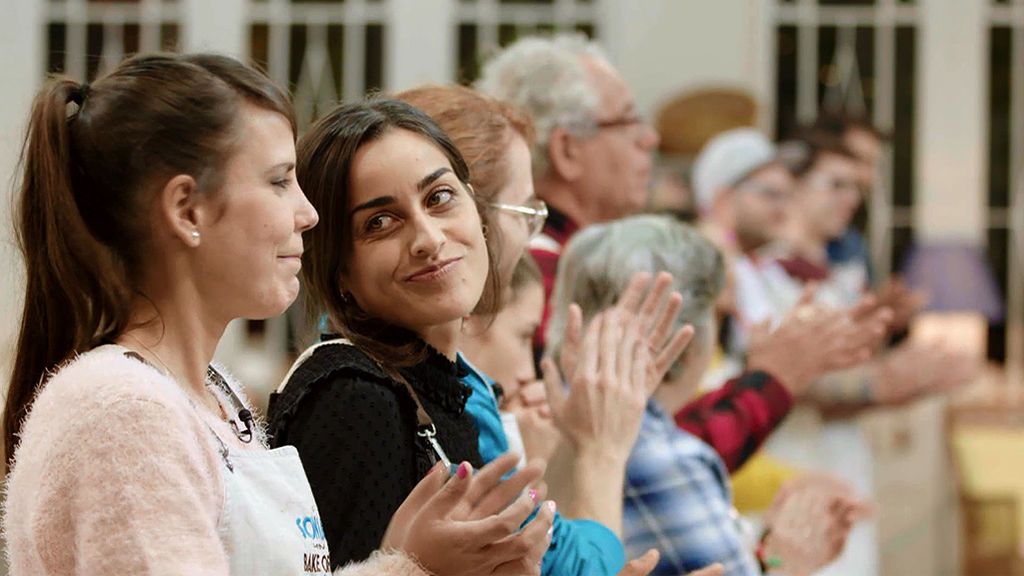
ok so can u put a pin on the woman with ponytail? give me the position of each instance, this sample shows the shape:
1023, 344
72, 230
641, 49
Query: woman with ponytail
156, 206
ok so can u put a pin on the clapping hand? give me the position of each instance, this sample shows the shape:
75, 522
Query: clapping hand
809, 521
470, 523
615, 366
813, 340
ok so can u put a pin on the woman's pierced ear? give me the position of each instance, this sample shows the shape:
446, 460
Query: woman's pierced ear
195, 237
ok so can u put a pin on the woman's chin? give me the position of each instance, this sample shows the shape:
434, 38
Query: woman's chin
422, 317
277, 305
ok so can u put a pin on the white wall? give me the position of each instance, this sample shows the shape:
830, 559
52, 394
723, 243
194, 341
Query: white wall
952, 157
664, 46
420, 43
21, 60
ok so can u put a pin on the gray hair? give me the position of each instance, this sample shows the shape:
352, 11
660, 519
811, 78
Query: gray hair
546, 78
598, 263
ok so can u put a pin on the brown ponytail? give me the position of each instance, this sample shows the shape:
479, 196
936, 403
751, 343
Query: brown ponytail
92, 160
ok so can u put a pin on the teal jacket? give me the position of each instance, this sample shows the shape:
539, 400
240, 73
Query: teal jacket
578, 547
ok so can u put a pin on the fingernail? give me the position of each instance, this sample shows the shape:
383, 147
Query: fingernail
552, 506
551, 531
463, 471
533, 495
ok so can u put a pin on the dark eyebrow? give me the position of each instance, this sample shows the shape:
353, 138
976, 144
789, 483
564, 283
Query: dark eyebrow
375, 203
432, 177
387, 200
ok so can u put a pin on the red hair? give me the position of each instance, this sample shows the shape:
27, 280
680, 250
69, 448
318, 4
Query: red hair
481, 128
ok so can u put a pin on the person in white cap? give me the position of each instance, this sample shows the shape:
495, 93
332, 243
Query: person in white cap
767, 203
742, 190
742, 187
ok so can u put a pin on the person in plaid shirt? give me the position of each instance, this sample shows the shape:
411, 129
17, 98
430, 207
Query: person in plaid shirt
677, 497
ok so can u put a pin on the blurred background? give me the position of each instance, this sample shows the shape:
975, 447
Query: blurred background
944, 78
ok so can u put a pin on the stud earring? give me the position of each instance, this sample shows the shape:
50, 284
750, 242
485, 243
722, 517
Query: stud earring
195, 235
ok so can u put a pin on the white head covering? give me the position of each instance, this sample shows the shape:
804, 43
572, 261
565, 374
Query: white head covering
726, 160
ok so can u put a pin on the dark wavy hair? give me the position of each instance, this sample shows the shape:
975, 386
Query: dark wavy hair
325, 154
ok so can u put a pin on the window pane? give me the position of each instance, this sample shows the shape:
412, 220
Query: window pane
785, 85
903, 125
373, 74
999, 258
999, 117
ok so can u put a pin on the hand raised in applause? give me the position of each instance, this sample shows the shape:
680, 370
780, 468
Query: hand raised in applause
613, 368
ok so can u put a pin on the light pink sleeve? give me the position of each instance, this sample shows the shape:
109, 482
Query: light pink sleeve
134, 489
391, 563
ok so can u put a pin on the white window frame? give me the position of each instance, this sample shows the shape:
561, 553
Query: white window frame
807, 17
1011, 218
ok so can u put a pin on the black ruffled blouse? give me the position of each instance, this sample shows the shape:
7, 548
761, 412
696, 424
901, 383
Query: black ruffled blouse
355, 430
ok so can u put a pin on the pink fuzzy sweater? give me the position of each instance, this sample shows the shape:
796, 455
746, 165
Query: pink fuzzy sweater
116, 473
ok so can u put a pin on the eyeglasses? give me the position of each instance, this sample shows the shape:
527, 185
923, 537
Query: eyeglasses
535, 210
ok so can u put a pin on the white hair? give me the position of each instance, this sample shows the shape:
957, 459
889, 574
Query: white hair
546, 78
598, 263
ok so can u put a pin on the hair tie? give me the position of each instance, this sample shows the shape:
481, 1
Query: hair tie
78, 95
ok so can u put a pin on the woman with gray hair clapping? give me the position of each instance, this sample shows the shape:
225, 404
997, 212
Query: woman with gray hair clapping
677, 497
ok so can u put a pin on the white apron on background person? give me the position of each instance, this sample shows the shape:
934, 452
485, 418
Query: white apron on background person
837, 446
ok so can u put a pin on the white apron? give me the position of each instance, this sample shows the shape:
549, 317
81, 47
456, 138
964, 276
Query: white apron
271, 526
804, 439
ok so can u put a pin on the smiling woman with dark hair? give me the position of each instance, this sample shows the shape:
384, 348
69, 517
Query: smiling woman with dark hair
398, 261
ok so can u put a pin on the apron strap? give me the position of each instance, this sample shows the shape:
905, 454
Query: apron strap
244, 414
425, 427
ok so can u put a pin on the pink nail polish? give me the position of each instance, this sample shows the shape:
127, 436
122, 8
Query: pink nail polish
463, 471
533, 495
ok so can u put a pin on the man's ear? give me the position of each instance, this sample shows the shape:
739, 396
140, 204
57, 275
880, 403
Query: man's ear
178, 207
564, 155
723, 210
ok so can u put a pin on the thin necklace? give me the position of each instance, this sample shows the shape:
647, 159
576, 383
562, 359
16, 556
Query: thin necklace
170, 372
